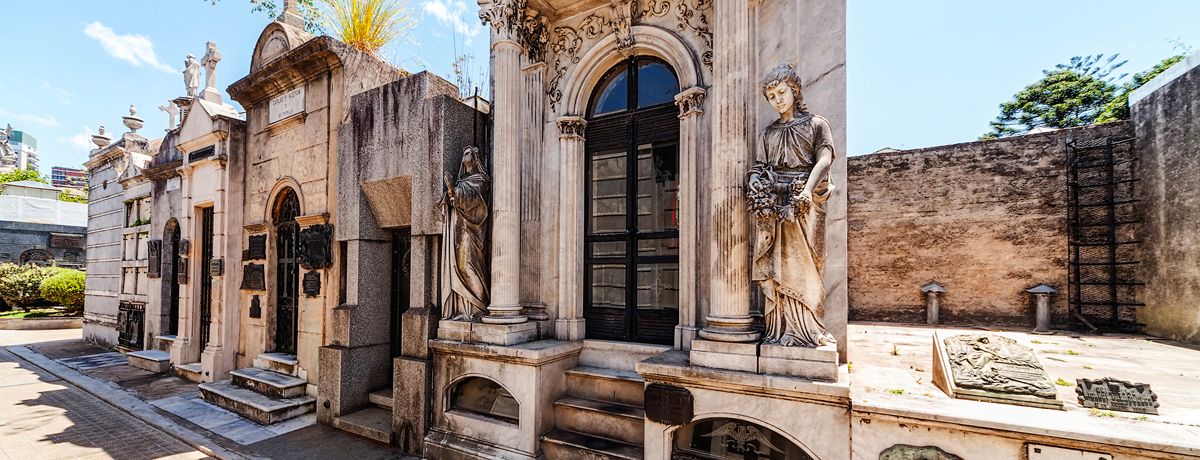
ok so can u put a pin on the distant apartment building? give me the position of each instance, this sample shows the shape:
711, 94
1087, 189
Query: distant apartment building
18, 150
63, 177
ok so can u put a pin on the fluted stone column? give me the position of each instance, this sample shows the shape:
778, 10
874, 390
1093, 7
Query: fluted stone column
690, 102
505, 18
729, 318
570, 322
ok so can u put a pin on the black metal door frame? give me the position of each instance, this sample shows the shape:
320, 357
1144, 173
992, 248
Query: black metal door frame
632, 118
171, 271
206, 257
287, 272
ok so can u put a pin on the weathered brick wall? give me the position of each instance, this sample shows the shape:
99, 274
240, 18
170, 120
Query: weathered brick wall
987, 220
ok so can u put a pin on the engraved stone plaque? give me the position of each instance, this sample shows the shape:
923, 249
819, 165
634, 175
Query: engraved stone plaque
216, 267
316, 250
668, 404
1118, 395
285, 105
312, 284
66, 240
257, 249
254, 278
255, 307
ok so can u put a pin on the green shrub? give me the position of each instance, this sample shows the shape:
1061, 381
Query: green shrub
5, 270
64, 288
24, 290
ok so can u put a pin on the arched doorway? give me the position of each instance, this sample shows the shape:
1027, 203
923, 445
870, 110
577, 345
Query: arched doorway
631, 172
169, 267
287, 270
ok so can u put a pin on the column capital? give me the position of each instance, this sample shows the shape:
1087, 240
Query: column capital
571, 127
690, 102
505, 16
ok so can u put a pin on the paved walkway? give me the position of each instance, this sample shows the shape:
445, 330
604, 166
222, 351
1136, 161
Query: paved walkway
46, 418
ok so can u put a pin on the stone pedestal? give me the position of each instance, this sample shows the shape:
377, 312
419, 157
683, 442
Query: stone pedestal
820, 364
492, 334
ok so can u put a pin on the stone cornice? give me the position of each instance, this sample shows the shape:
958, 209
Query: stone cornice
292, 68
163, 171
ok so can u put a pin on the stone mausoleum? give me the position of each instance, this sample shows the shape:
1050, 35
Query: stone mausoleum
647, 245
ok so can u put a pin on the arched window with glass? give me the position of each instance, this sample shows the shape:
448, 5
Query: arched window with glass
631, 257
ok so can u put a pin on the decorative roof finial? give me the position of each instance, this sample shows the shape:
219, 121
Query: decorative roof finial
133, 122
100, 139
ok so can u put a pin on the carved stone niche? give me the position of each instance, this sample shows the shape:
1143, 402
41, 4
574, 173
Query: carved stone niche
316, 246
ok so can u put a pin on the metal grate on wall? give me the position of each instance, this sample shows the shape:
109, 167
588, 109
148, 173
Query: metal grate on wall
1103, 220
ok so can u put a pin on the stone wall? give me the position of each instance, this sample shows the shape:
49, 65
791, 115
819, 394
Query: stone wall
987, 220
1168, 141
18, 237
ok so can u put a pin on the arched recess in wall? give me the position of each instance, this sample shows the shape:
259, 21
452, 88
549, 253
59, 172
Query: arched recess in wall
649, 41
725, 438
37, 257
169, 270
285, 184
483, 396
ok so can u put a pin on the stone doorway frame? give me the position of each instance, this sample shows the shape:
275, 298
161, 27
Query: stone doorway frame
650, 41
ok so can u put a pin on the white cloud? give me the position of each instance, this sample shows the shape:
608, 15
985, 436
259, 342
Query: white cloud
63, 95
132, 48
450, 13
82, 139
29, 117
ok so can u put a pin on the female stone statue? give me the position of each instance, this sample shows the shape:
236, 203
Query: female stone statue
787, 191
466, 198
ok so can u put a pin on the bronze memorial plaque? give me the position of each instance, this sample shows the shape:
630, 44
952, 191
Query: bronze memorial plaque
316, 250
255, 307
312, 284
1119, 395
668, 404
257, 249
254, 278
154, 259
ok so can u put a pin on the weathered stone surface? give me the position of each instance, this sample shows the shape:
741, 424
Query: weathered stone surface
254, 406
268, 383
998, 207
991, 368
1168, 138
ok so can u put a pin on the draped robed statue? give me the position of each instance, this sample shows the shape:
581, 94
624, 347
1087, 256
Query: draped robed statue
466, 200
787, 192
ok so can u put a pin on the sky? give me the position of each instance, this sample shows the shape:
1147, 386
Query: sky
920, 72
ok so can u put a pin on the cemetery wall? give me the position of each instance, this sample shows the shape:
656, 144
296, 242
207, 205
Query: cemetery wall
1168, 141
987, 220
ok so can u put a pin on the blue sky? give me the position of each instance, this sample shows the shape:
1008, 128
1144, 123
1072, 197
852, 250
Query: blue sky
921, 72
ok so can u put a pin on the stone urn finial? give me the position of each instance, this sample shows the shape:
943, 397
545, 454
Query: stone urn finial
100, 139
133, 122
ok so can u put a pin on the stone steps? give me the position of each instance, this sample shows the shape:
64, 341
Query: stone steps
382, 399
191, 372
616, 385
156, 361
164, 342
372, 423
255, 406
616, 421
567, 445
268, 383
282, 363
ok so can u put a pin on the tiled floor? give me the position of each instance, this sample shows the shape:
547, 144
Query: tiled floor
89, 362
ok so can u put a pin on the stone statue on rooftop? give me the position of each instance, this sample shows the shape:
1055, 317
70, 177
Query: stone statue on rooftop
191, 75
467, 205
787, 190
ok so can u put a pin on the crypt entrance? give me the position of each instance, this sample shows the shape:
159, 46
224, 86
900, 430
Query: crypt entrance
631, 172
287, 271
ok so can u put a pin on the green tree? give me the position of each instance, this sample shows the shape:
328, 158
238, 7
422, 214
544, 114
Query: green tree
23, 174
1071, 94
1118, 108
24, 289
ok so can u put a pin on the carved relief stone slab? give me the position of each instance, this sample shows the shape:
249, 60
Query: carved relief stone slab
154, 259
257, 248
907, 452
254, 278
316, 246
1118, 395
312, 284
668, 404
992, 368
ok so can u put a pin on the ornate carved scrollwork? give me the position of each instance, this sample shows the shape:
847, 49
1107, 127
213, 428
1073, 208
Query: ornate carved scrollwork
656, 8
694, 18
506, 16
534, 35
